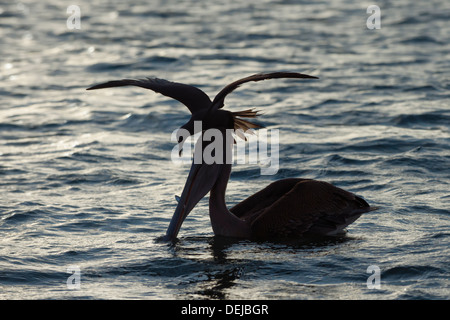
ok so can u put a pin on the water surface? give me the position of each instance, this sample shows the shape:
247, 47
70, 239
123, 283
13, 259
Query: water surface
87, 179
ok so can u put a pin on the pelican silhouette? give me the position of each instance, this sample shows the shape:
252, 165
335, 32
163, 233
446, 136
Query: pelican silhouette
291, 207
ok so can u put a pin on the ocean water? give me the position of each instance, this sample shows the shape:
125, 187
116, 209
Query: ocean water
87, 184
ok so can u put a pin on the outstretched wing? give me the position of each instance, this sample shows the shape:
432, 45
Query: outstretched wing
218, 101
193, 98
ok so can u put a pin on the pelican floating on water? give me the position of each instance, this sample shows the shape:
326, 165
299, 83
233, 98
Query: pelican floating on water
286, 208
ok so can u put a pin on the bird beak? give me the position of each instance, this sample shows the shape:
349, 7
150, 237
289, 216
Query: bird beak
200, 181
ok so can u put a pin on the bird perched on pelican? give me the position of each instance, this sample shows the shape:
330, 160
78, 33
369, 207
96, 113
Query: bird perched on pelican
292, 207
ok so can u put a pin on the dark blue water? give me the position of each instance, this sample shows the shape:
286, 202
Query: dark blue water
87, 181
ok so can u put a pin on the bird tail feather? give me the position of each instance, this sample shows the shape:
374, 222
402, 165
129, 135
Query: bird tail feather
242, 124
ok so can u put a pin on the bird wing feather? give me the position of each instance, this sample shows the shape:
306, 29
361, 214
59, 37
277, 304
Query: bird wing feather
309, 204
192, 97
218, 101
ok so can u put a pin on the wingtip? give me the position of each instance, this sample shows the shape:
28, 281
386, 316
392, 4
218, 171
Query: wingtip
97, 86
307, 76
304, 76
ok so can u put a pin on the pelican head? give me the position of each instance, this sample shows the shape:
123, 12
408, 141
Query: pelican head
202, 177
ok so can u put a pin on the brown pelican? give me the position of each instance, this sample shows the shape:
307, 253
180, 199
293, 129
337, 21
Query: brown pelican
286, 208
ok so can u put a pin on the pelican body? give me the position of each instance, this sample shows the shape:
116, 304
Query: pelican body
287, 208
